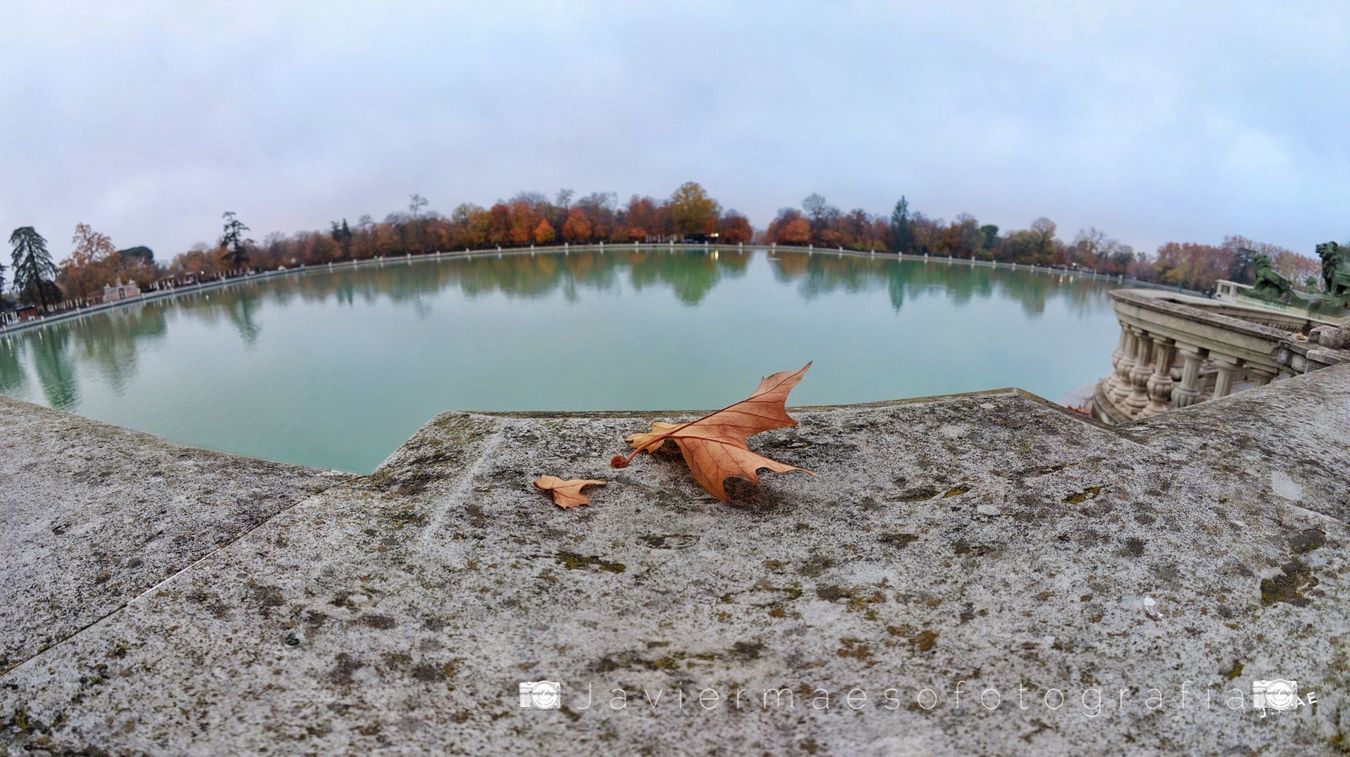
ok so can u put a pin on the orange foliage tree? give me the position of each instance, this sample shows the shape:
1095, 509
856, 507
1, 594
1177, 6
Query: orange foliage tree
734, 227
543, 233
578, 226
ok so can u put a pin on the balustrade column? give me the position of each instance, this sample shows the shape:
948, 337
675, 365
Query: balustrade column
1140, 373
1119, 379
1226, 366
1122, 385
1116, 356
1189, 392
1160, 383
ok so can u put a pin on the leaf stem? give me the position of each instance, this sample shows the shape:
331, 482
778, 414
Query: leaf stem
622, 461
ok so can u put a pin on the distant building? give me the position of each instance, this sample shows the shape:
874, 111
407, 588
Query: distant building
1229, 290
120, 291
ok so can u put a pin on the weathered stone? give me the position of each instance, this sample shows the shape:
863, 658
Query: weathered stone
94, 515
1204, 547
1334, 337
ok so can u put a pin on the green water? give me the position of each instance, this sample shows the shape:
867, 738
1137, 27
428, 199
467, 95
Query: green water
338, 368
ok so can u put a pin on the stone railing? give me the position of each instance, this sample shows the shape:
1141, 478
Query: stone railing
1175, 351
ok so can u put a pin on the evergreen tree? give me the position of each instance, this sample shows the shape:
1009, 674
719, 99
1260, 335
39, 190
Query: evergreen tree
34, 271
342, 234
233, 242
1243, 265
990, 234
902, 231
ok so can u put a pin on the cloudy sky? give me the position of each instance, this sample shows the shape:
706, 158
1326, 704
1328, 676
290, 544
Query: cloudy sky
1151, 121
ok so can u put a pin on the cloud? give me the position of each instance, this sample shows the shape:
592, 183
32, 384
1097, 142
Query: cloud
1151, 121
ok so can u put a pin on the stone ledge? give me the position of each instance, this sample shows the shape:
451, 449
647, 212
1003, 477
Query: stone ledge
95, 514
986, 538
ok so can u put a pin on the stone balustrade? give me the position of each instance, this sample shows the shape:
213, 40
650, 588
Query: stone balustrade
1175, 351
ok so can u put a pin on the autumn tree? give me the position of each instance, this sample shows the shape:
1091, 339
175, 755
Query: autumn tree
1191, 265
578, 226
318, 248
693, 211
530, 217
961, 237
414, 230
789, 227
467, 225
853, 230
822, 215
34, 271
499, 224
1092, 248
543, 233
562, 202
524, 220
599, 208
200, 262
734, 228
928, 234
1043, 237
91, 244
91, 264
1243, 251
645, 218
233, 243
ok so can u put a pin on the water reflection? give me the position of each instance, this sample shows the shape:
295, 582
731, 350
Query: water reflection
110, 343
959, 282
55, 372
111, 346
12, 375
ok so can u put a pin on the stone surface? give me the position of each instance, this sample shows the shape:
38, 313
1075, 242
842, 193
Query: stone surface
92, 515
1337, 338
946, 549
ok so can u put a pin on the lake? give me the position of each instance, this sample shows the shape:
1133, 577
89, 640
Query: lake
336, 368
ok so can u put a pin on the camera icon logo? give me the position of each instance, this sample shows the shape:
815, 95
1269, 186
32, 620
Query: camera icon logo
540, 695
1279, 694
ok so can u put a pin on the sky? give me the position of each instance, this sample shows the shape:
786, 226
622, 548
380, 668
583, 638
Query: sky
1153, 122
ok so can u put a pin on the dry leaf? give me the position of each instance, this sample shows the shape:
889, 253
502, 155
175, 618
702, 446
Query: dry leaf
567, 494
714, 446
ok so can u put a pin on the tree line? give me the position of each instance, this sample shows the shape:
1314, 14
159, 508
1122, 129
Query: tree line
531, 218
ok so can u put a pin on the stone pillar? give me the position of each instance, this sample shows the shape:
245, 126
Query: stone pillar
1189, 392
1226, 366
1261, 375
1116, 355
1140, 373
1160, 383
1120, 391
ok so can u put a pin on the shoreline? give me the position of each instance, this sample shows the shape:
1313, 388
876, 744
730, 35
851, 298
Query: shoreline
554, 249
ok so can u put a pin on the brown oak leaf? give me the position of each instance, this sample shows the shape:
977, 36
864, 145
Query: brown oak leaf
567, 494
714, 446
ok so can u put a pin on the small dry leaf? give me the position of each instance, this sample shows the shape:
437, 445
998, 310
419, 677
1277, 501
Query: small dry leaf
567, 493
714, 446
